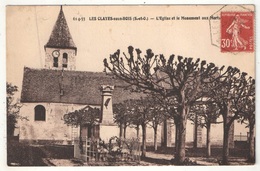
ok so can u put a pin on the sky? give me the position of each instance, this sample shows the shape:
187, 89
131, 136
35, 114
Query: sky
28, 29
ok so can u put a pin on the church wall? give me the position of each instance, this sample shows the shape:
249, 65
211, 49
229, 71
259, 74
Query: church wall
52, 129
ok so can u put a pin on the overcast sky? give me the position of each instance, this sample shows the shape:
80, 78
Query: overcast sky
29, 28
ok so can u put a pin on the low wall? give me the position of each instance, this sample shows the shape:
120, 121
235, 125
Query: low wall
47, 142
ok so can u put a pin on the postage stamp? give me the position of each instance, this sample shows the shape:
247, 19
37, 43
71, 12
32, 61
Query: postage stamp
237, 33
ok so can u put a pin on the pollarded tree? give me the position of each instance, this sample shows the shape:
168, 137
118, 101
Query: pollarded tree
133, 116
157, 114
139, 115
245, 109
227, 92
207, 112
121, 117
135, 122
170, 107
181, 78
154, 114
87, 115
156, 118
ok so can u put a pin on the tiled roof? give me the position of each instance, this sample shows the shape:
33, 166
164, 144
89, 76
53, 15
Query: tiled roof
60, 36
79, 87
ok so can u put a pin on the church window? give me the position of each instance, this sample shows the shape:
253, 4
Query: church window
39, 113
65, 60
55, 62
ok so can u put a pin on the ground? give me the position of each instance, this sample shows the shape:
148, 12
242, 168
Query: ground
22, 154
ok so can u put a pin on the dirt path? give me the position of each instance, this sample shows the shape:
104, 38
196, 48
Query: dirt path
21, 154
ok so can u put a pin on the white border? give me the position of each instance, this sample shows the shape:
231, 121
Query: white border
3, 162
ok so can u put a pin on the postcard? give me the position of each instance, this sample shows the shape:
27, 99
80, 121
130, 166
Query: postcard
130, 85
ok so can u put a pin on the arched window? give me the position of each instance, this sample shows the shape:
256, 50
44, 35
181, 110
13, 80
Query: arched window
65, 60
55, 62
39, 113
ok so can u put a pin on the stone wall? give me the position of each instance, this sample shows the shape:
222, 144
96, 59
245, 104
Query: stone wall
52, 129
71, 58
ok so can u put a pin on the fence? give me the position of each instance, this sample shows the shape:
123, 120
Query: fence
241, 137
116, 150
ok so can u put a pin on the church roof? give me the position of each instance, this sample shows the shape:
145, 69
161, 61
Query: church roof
79, 87
60, 36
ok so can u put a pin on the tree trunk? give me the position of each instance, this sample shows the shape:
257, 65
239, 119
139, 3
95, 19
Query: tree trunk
225, 145
182, 134
92, 131
165, 138
181, 142
137, 132
125, 131
208, 140
80, 140
251, 156
121, 130
155, 138
226, 128
195, 139
144, 140
176, 138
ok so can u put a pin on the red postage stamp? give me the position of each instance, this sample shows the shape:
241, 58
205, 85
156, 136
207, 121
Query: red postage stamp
237, 32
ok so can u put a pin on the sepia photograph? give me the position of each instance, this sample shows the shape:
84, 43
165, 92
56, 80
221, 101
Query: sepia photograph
130, 85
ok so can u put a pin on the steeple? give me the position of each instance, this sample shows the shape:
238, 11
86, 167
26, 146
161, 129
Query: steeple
60, 50
60, 36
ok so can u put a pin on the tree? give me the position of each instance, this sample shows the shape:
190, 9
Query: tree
181, 78
118, 110
245, 109
12, 108
139, 115
121, 117
196, 119
86, 115
170, 106
157, 114
208, 112
134, 117
227, 92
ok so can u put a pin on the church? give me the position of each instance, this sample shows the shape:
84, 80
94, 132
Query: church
57, 89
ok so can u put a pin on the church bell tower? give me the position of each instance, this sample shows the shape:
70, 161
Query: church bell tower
60, 50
